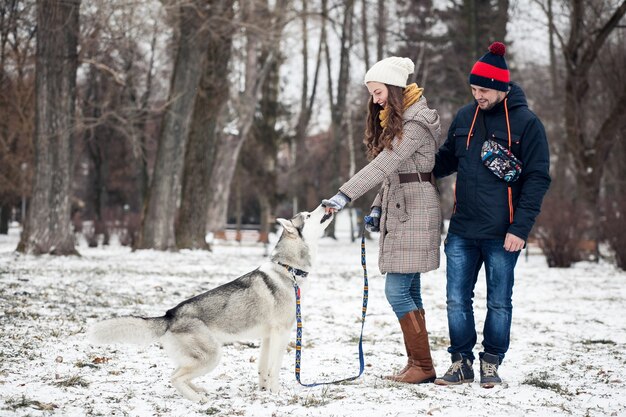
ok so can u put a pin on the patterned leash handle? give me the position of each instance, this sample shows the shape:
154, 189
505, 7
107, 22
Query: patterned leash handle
364, 312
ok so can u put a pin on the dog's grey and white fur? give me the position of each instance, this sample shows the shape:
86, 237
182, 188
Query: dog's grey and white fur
257, 305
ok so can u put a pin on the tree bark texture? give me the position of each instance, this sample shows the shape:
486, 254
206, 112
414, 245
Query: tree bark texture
340, 103
221, 178
381, 30
262, 174
157, 229
589, 150
5, 212
255, 73
297, 183
201, 149
48, 227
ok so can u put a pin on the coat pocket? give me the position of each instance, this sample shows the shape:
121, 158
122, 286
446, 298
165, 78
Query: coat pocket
502, 138
399, 207
460, 134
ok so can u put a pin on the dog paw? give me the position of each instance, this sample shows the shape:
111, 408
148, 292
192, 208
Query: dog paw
199, 397
273, 387
198, 388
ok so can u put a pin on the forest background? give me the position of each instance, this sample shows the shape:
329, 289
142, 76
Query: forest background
161, 121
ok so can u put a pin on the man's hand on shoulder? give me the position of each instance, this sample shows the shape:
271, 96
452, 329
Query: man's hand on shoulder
513, 243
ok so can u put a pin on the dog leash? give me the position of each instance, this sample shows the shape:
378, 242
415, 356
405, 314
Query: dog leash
299, 325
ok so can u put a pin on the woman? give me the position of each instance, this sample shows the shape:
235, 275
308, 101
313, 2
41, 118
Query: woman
402, 135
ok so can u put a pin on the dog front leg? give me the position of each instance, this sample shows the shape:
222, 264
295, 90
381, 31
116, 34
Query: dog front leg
277, 347
263, 364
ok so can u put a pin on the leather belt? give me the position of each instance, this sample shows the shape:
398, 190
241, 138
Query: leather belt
414, 177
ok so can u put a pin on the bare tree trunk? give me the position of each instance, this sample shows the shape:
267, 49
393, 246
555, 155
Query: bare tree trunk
381, 30
141, 153
365, 36
256, 72
499, 21
93, 146
351, 171
306, 109
588, 150
262, 174
221, 178
48, 227
157, 229
339, 105
266, 222
553, 77
472, 24
5, 212
201, 149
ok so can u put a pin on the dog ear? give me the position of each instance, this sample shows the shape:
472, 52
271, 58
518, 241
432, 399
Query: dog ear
287, 226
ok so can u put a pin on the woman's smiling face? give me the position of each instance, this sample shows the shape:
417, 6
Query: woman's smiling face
379, 92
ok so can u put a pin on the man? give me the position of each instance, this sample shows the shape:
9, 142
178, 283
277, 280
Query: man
492, 217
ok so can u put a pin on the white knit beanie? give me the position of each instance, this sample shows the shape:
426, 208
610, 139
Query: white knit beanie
394, 70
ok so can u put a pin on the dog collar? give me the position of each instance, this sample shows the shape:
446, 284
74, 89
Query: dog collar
294, 271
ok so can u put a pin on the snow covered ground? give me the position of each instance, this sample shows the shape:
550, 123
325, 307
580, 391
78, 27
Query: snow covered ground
567, 353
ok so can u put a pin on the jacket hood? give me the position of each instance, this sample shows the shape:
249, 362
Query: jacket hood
427, 117
516, 97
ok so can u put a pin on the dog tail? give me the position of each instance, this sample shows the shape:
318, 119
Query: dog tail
129, 329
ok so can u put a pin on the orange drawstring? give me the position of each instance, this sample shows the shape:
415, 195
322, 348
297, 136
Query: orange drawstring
510, 205
472, 127
508, 124
508, 132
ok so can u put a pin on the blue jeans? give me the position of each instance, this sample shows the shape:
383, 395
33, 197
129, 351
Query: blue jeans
464, 259
403, 292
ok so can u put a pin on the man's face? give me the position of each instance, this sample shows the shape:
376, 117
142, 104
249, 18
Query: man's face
487, 97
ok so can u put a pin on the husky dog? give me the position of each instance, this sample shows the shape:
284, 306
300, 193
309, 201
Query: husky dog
260, 304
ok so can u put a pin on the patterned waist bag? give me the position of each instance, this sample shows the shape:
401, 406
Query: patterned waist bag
500, 161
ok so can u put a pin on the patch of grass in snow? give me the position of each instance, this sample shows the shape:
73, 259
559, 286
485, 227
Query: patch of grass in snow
20, 314
355, 340
440, 342
598, 342
541, 381
73, 381
23, 402
312, 400
81, 364
211, 410
307, 345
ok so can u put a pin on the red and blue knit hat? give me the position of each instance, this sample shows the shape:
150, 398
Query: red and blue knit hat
491, 71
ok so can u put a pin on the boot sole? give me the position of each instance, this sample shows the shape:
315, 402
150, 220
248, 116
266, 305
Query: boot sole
425, 381
443, 382
489, 384
428, 380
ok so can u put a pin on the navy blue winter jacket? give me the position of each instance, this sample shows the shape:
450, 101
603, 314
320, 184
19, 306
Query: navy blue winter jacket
481, 199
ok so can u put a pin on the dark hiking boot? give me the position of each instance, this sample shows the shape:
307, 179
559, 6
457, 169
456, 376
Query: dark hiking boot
460, 372
489, 370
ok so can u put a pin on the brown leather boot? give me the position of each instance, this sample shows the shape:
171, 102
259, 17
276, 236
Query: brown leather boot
421, 368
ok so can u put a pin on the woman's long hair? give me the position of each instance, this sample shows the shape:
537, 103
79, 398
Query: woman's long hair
377, 138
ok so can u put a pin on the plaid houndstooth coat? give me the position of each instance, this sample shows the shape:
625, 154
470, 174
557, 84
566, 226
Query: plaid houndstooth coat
411, 212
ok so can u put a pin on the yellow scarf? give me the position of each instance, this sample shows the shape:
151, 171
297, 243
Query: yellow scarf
412, 93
